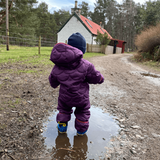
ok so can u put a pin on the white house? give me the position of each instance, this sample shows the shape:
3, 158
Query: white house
78, 23
89, 29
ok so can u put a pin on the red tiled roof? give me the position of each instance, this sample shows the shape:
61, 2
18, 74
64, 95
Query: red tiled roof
93, 27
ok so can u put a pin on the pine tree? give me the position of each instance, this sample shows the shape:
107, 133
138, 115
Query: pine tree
22, 19
84, 9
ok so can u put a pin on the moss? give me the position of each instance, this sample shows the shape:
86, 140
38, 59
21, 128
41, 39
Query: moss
2, 126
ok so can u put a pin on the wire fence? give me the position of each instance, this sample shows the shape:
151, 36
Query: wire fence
26, 41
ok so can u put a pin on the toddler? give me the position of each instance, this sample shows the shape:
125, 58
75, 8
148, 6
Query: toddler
73, 74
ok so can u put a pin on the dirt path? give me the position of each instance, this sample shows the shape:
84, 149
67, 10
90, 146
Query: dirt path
129, 94
134, 100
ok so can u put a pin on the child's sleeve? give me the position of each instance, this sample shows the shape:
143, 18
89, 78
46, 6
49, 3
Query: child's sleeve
94, 76
53, 80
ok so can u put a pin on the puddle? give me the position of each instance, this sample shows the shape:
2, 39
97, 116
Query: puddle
150, 75
90, 146
154, 78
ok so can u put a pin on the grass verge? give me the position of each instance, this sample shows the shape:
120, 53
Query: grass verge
29, 55
149, 63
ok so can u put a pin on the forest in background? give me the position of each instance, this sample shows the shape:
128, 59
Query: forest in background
123, 21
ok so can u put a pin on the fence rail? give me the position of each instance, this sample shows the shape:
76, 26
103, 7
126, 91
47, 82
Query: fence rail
26, 41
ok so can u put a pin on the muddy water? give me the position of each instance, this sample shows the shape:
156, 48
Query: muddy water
153, 78
90, 146
150, 75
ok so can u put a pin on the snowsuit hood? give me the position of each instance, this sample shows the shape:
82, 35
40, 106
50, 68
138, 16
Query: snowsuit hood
64, 55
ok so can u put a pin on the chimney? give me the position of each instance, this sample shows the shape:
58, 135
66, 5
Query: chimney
76, 10
75, 4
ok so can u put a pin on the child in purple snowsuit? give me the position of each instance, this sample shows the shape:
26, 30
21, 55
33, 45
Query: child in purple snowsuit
73, 74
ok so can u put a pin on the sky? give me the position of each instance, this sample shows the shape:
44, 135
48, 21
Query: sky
68, 4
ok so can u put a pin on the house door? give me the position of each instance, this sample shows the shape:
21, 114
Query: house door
114, 48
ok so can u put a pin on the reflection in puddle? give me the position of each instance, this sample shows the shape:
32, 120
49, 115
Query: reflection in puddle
63, 149
90, 146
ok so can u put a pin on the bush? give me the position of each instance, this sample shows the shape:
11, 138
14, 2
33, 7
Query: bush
157, 54
103, 40
148, 43
148, 39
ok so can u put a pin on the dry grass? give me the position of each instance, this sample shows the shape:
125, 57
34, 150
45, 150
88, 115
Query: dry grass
148, 39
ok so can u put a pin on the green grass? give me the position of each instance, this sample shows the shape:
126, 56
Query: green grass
152, 64
11, 106
25, 55
29, 55
26, 71
17, 101
2, 126
1, 109
149, 63
21, 119
88, 55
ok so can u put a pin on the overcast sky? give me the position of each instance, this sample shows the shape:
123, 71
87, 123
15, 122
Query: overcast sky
68, 4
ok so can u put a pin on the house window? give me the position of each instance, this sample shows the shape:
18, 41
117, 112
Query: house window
89, 23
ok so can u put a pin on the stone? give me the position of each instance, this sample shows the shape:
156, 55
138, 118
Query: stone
155, 135
123, 136
21, 148
135, 127
139, 136
121, 144
121, 120
135, 146
125, 130
122, 126
30, 134
133, 151
25, 113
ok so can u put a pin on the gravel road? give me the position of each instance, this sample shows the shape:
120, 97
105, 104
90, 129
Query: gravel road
132, 94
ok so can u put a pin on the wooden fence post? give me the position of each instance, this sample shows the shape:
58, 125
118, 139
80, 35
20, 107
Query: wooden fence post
7, 26
91, 47
39, 45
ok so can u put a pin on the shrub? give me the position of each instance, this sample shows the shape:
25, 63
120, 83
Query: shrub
148, 39
148, 43
157, 54
103, 40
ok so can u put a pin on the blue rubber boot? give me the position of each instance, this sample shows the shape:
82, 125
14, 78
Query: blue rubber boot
62, 127
81, 133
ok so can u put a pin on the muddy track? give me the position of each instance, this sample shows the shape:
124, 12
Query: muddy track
128, 92
134, 99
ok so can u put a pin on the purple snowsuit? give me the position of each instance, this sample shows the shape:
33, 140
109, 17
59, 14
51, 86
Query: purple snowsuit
73, 74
